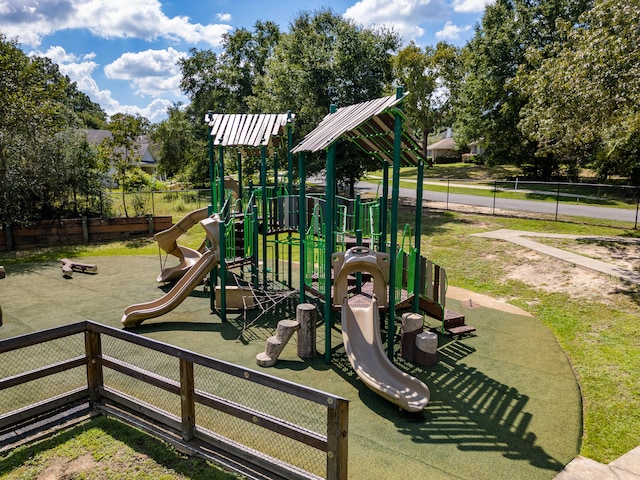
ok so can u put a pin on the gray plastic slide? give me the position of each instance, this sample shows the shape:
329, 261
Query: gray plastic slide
363, 344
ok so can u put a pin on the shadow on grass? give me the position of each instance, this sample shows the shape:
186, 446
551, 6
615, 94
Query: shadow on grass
158, 451
467, 408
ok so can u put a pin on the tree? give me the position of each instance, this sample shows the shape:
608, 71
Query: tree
181, 146
429, 76
34, 108
224, 82
120, 150
489, 102
323, 60
586, 91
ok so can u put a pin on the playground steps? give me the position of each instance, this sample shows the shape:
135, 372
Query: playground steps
276, 343
452, 322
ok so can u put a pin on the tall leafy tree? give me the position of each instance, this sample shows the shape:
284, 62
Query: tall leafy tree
489, 103
324, 60
429, 76
35, 107
586, 91
120, 150
181, 146
224, 82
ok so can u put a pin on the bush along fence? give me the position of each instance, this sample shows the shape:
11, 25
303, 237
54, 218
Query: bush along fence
248, 422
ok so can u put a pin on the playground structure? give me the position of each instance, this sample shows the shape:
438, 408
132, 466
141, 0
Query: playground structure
260, 230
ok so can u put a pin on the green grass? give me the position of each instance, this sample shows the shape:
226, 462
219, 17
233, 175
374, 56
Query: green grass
104, 448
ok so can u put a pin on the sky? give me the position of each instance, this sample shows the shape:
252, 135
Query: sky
124, 53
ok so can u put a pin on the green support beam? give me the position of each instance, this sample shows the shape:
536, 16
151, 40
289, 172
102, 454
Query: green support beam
329, 227
419, 193
395, 193
302, 223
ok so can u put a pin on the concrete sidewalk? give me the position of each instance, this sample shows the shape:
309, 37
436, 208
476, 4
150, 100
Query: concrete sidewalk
627, 467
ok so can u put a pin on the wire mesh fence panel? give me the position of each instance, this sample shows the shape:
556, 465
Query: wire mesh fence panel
42, 389
264, 401
261, 440
36, 357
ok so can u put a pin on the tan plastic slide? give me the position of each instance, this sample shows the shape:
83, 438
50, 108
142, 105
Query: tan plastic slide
134, 315
361, 332
167, 241
362, 342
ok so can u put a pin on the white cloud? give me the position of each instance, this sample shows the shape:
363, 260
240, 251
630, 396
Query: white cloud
154, 111
405, 16
31, 20
159, 79
470, 6
152, 72
224, 17
451, 31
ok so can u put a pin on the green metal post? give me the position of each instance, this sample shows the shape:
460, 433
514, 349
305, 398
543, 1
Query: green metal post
221, 175
263, 184
302, 223
358, 229
211, 170
212, 276
275, 205
329, 241
395, 193
384, 207
290, 192
419, 193
222, 309
240, 189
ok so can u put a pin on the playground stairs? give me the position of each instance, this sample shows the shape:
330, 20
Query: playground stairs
240, 257
276, 343
452, 322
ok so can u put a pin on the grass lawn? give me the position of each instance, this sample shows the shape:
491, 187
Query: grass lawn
482, 181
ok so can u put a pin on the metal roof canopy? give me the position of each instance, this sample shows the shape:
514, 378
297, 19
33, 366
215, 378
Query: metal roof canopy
248, 132
369, 125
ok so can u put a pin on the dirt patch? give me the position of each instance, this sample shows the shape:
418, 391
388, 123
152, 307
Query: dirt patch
64, 469
553, 275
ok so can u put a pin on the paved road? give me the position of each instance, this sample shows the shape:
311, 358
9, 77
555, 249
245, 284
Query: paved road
588, 211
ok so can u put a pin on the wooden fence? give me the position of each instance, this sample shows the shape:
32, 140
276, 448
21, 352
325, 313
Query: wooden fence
77, 231
254, 424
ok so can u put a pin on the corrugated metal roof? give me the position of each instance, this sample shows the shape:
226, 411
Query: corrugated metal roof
370, 125
248, 132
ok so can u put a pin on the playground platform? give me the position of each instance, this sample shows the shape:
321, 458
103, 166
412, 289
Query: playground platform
504, 402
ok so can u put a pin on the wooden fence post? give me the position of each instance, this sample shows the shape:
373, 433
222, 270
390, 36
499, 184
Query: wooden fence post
187, 403
93, 351
337, 440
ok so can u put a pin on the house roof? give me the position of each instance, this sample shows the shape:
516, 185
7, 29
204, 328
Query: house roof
370, 125
142, 142
444, 144
249, 132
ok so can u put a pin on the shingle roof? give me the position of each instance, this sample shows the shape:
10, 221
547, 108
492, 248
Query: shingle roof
370, 125
248, 132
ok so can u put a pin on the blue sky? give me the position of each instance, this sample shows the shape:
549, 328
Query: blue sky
123, 53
